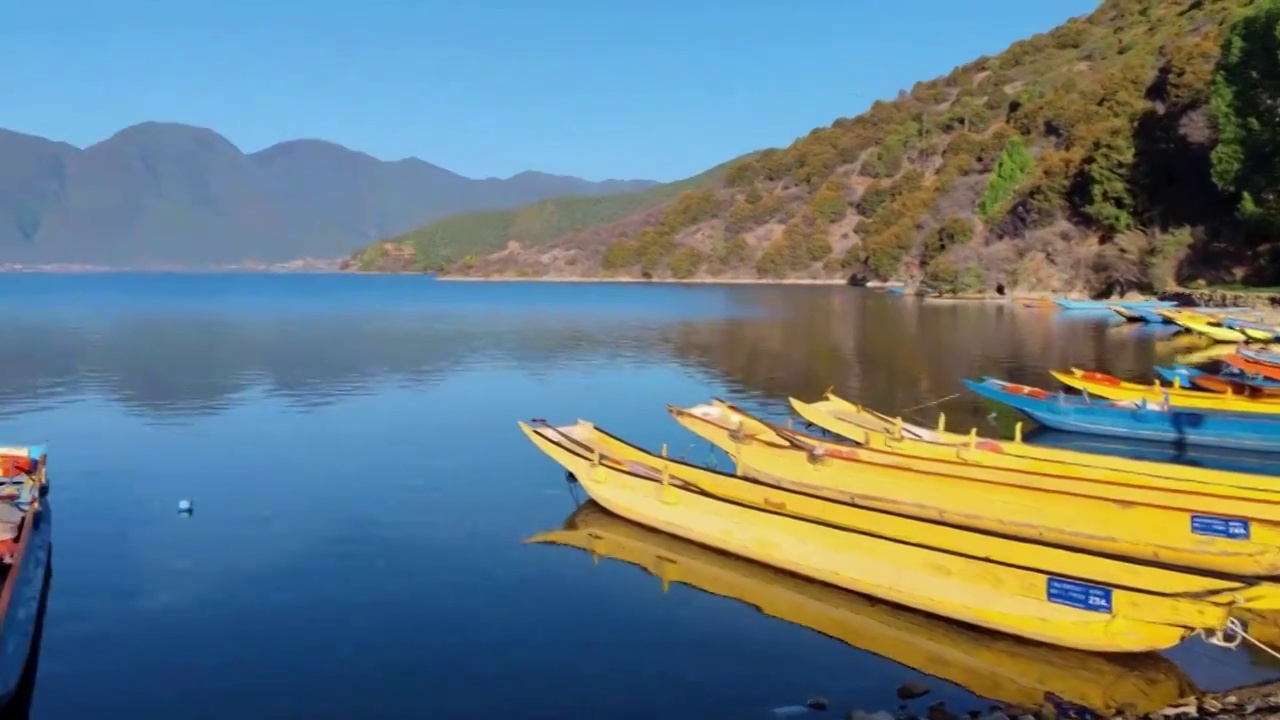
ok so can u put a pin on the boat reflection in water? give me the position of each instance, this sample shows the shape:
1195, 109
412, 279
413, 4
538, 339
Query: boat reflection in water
1260, 463
994, 666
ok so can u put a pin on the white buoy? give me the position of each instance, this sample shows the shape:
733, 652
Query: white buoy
184, 507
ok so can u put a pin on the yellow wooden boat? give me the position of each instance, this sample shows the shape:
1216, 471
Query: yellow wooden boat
1112, 388
861, 425
1217, 326
1259, 334
1178, 529
994, 666
1052, 595
1205, 325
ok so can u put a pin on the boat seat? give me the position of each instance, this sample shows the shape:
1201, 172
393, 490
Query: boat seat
10, 518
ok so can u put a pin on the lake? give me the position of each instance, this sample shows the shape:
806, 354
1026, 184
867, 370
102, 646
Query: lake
361, 491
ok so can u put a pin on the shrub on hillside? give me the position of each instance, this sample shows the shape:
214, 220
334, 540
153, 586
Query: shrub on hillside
944, 275
689, 209
829, 203
742, 173
619, 255
728, 253
953, 232
685, 262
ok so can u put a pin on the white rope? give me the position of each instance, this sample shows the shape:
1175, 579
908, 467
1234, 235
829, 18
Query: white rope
931, 404
1235, 627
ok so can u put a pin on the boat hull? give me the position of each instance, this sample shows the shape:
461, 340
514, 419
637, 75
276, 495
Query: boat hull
996, 597
1225, 384
1112, 388
1211, 330
1240, 361
1261, 357
1079, 472
1121, 520
1178, 375
1152, 421
21, 599
1066, 304
1256, 332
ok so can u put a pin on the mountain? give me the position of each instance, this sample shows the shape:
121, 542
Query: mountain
1086, 158
169, 194
464, 237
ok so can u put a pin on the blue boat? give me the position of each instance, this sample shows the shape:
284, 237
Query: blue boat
1186, 377
25, 551
1066, 304
1135, 420
1235, 374
1150, 315
1239, 324
1259, 356
1180, 375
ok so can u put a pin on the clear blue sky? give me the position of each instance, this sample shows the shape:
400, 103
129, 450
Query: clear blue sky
657, 89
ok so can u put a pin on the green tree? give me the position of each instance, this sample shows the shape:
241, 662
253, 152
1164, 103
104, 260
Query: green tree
1012, 168
1106, 172
1244, 98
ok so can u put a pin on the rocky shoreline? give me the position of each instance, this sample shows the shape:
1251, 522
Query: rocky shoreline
1251, 702
1225, 298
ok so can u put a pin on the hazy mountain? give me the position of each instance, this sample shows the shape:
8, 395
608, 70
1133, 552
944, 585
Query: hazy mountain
163, 193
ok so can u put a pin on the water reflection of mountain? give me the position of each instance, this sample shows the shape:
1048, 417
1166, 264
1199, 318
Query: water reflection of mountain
188, 365
990, 665
894, 353
164, 358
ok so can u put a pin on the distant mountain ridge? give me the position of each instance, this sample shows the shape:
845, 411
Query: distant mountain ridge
165, 194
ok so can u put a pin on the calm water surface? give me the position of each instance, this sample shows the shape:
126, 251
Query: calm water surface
361, 492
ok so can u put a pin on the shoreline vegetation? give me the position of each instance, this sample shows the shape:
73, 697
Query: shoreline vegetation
652, 281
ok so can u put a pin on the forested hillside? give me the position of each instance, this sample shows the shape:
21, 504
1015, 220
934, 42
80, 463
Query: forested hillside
1121, 149
465, 237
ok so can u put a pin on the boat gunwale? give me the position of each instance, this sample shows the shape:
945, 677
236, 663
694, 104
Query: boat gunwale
1064, 402
958, 441
798, 445
1105, 379
27, 530
624, 466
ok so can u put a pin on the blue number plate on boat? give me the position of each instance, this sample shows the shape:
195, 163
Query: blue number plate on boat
1079, 595
1230, 528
